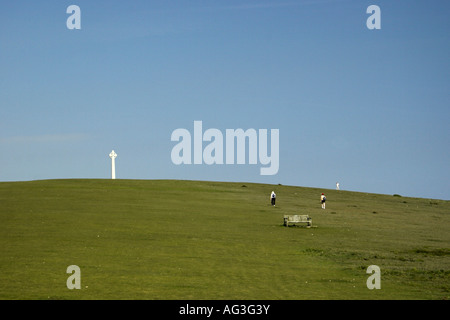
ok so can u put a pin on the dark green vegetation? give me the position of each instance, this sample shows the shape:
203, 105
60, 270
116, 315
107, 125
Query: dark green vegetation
140, 239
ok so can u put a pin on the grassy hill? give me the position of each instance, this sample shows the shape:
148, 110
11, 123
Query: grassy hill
158, 239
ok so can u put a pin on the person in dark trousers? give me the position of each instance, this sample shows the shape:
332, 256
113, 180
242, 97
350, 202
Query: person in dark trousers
273, 196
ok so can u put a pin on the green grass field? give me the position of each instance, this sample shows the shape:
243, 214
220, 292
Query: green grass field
167, 239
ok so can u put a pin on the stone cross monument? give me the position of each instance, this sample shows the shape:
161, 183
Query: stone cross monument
113, 156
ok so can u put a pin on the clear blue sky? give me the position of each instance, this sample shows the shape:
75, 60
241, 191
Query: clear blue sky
367, 108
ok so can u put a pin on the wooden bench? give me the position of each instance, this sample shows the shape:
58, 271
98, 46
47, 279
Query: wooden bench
297, 218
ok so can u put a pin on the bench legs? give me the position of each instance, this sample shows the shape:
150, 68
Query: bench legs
308, 223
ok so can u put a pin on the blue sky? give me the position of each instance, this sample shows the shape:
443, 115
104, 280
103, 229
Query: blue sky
367, 108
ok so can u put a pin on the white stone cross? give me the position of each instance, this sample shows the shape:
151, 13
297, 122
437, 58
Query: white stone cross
113, 156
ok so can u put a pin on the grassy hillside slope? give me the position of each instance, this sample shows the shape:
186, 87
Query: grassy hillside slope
158, 239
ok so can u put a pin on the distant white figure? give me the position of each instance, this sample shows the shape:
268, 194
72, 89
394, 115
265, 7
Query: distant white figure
322, 200
273, 196
113, 156
337, 185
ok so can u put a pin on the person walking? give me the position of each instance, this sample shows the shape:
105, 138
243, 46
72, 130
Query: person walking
322, 200
273, 196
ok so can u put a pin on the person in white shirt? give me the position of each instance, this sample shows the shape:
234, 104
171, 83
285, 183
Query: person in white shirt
337, 185
272, 198
322, 200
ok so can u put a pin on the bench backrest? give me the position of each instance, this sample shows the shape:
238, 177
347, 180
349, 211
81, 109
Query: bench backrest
297, 218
